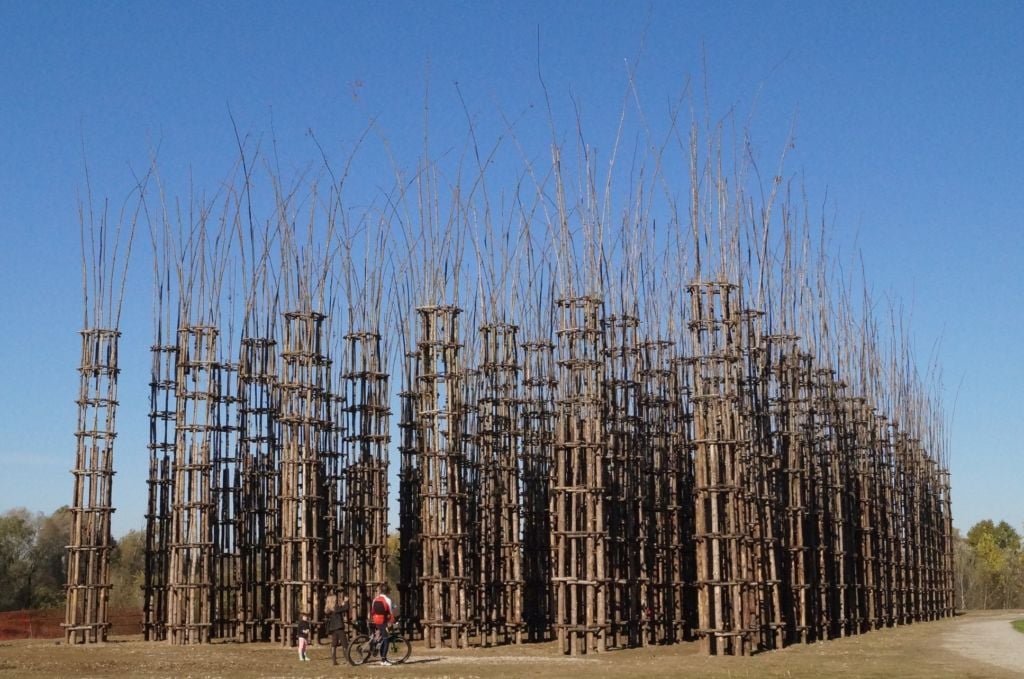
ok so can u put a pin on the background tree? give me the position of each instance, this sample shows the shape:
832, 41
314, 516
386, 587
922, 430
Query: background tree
990, 567
33, 561
17, 537
127, 564
49, 558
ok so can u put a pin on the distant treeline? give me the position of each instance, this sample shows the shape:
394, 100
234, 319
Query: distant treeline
989, 567
989, 563
33, 561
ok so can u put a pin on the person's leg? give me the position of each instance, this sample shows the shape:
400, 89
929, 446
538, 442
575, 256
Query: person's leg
335, 642
383, 643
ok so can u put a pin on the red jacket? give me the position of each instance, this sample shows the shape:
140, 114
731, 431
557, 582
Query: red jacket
380, 610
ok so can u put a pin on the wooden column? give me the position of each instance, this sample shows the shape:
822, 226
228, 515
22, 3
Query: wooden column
226, 491
578, 529
366, 477
722, 538
88, 572
305, 400
444, 533
162, 439
626, 496
664, 615
538, 433
190, 572
259, 511
410, 485
499, 528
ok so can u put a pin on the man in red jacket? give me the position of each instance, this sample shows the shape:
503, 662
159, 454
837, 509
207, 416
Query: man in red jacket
382, 615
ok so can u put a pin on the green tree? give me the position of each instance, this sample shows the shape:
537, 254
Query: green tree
127, 563
49, 557
990, 566
394, 563
17, 537
1003, 535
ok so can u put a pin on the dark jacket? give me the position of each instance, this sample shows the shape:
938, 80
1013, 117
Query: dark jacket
337, 619
302, 629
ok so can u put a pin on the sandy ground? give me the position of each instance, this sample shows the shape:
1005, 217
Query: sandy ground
990, 640
975, 646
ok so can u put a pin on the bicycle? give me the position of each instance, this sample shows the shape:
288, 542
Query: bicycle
365, 646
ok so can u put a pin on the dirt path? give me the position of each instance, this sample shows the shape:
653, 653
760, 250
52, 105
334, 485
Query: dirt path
989, 640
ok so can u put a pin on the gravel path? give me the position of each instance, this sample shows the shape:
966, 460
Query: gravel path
989, 640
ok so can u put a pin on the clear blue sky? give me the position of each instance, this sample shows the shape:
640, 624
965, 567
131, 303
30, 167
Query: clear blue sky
908, 129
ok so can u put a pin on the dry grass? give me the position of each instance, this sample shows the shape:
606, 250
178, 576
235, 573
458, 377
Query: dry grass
914, 651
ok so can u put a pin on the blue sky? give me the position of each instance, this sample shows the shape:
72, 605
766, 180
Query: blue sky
906, 119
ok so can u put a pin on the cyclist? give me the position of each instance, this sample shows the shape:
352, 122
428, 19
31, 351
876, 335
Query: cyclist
381, 615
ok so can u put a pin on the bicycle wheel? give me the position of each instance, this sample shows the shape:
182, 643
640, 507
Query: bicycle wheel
399, 648
359, 650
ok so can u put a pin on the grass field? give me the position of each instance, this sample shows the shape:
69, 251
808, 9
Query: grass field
922, 650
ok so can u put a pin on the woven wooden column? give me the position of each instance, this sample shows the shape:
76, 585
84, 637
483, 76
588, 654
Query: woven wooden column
340, 562
913, 463
665, 495
226, 492
764, 479
626, 496
366, 476
682, 454
88, 574
792, 409
929, 538
478, 547
901, 563
162, 437
886, 521
305, 399
499, 529
824, 482
848, 555
578, 529
444, 533
538, 433
867, 510
722, 538
948, 573
409, 503
840, 492
190, 570
259, 511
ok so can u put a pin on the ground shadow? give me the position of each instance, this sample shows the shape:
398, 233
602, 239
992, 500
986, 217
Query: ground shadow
421, 661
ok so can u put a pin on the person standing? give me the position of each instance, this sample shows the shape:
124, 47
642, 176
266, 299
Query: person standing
336, 626
382, 615
302, 635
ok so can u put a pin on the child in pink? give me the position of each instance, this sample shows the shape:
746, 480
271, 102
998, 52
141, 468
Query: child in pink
302, 635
